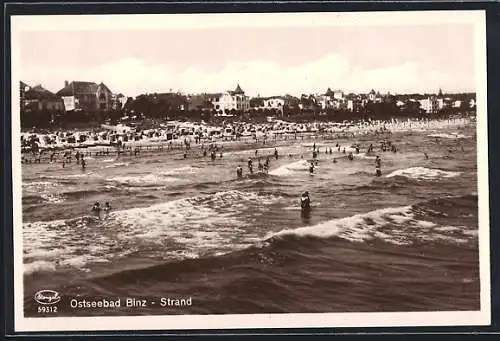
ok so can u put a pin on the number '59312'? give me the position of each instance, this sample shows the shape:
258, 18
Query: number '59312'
42, 309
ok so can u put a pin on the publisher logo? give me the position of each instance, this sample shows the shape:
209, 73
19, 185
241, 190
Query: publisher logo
47, 297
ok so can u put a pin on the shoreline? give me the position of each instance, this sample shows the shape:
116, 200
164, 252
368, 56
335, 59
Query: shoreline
177, 146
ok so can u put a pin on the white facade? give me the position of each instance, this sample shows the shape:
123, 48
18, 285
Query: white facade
429, 105
274, 103
337, 94
325, 102
350, 105
230, 100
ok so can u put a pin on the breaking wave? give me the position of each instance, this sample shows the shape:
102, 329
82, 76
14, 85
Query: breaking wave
423, 173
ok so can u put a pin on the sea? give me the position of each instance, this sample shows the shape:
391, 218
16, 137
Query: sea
188, 230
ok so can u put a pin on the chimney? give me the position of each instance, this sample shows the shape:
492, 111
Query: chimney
66, 83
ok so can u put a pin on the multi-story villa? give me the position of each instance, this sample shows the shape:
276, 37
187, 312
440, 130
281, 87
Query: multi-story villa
227, 101
87, 96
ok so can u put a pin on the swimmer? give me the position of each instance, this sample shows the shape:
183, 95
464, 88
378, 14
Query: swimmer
239, 172
311, 168
334, 160
378, 172
276, 153
350, 156
107, 207
96, 207
426, 156
305, 201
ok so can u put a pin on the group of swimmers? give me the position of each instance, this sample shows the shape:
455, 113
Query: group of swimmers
262, 167
97, 207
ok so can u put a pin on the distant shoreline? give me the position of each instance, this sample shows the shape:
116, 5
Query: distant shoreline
148, 146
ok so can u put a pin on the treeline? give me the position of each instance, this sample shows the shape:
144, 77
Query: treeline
173, 106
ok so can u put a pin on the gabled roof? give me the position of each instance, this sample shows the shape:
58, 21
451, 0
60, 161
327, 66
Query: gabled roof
102, 85
330, 93
40, 93
79, 88
23, 85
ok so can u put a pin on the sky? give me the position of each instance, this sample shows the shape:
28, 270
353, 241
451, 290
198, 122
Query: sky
264, 61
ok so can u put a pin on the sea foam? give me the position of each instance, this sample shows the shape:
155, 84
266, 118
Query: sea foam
423, 173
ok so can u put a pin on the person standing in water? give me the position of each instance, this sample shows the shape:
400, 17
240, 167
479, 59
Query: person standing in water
239, 172
378, 172
311, 168
305, 201
276, 153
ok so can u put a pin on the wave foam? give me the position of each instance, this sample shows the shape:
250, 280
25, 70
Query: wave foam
450, 136
48, 191
180, 170
148, 178
396, 225
290, 168
422, 173
194, 226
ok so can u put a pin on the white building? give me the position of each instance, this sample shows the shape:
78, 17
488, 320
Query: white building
224, 102
331, 99
440, 103
374, 96
429, 105
274, 102
350, 105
